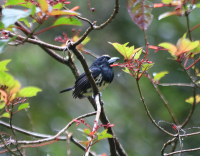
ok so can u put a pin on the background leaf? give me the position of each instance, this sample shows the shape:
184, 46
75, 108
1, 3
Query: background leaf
104, 135
23, 106
10, 16
3, 65
43, 5
6, 79
6, 115
19, 3
28, 92
159, 75
140, 12
67, 21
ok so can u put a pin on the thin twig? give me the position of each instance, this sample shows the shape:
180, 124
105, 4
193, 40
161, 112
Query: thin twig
176, 84
164, 100
182, 151
194, 96
166, 144
16, 144
95, 127
8, 149
148, 113
60, 132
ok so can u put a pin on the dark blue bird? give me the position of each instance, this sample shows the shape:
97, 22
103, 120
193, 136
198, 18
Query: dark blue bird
102, 73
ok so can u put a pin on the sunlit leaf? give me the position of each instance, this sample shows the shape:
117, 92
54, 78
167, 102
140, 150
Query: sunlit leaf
166, 1
67, 21
6, 79
191, 99
3, 65
185, 45
28, 92
1, 25
170, 47
158, 76
63, 12
170, 13
195, 50
197, 5
86, 40
139, 52
104, 135
58, 6
43, 5
86, 131
127, 52
10, 16
19, 3
146, 66
140, 12
2, 105
6, 115
126, 70
15, 88
23, 106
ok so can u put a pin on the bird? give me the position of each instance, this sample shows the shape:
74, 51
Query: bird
102, 73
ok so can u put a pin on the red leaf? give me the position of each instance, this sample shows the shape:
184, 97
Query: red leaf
140, 12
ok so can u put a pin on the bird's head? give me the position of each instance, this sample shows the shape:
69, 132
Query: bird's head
105, 60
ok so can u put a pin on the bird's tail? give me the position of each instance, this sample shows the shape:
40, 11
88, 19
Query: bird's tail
68, 89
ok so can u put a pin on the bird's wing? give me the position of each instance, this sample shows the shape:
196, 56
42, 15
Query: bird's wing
82, 83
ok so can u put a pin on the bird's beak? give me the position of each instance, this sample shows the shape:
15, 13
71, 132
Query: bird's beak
112, 60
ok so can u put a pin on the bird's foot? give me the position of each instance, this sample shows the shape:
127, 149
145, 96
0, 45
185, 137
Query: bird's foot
102, 103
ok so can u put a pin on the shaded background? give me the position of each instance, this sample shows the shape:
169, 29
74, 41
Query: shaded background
51, 111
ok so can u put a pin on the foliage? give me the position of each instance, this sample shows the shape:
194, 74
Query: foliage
11, 94
31, 18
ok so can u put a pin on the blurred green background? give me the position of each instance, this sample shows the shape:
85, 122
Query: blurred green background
50, 111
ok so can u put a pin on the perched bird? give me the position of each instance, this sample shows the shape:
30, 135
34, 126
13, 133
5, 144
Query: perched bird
102, 73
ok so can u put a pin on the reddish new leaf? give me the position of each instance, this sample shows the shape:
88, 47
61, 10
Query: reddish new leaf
140, 12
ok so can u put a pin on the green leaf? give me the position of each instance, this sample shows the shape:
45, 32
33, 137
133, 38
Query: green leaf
28, 92
58, 6
191, 99
104, 135
158, 76
86, 131
172, 49
166, 1
25, 21
146, 66
126, 70
1, 25
137, 55
23, 106
2, 105
10, 16
6, 79
127, 52
3, 65
67, 21
6, 115
197, 5
3, 45
86, 40
19, 3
